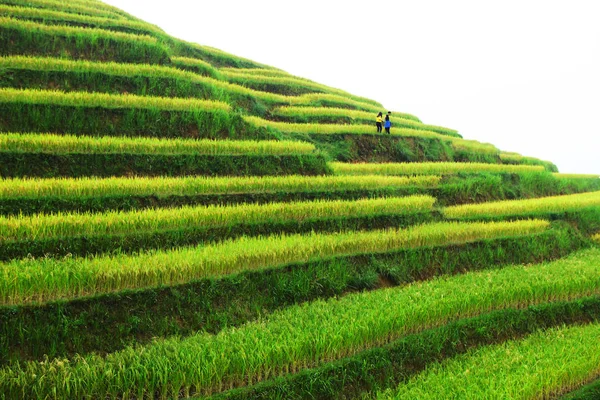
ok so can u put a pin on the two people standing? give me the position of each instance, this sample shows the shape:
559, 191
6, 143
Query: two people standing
387, 124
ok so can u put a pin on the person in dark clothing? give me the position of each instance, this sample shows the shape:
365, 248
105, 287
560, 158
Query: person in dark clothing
388, 123
379, 122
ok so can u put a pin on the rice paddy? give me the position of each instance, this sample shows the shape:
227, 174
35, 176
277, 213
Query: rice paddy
50, 143
544, 205
427, 168
178, 221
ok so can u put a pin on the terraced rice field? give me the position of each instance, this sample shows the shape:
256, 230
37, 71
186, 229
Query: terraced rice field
179, 222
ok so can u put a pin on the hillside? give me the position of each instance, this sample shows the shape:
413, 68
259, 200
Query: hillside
178, 222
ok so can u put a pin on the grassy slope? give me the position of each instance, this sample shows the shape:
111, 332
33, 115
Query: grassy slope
55, 54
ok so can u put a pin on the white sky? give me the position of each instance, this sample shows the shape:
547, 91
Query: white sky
521, 74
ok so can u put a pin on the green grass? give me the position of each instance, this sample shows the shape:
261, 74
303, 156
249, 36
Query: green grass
41, 280
32, 38
328, 129
163, 186
61, 144
331, 114
301, 336
544, 205
48, 16
427, 168
524, 369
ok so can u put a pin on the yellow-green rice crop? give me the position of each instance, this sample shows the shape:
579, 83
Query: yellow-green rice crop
69, 7
87, 99
61, 16
596, 237
131, 70
326, 129
25, 281
164, 186
301, 336
318, 98
553, 204
194, 62
398, 119
576, 176
543, 365
63, 30
50, 143
243, 78
427, 168
120, 222
516, 158
257, 71
220, 54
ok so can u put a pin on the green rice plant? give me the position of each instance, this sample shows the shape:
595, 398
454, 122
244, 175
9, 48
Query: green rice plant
50, 143
543, 205
516, 158
428, 168
288, 83
46, 279
576, 176
331, 100
217, 58
60, 17
31, 38
596, 237
164, 186
522, 369
199, 66
60, 329
73, 7
328, 129
217, 89
117, 222
398, 119
259, 72
301, 336
105, 100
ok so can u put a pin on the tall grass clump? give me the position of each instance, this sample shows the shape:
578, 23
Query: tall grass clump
543, 205
118, 222
187, 186
524, 369
35, 39
301, 336
46, 279
427, 168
